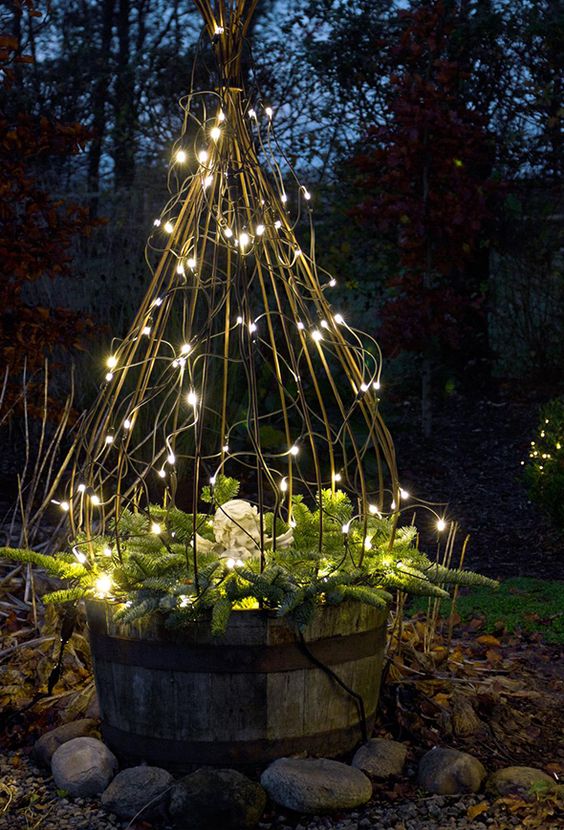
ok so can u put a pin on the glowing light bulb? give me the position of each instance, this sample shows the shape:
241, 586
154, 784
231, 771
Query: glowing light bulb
228, 233
181, 156
317, 336
109, 439
169, 227
81, 488
269, 111
65, 506
283, 198
283, 486
157, 223
259, 230
109, 376
244, 240
221, 116
158, 301
184, 601
367, 544
294, 450
404, 494
307, 194
215, 133
185, 348
171, 458
127, 424
364, 387
107, 551
156, 528
376, 384
252, 327
324, 324
79, 556
219, 30
278, 224
252, 114
332, 282
338, 318
203, 156
298, 252
372, 508
230, 563
346, 527
111, 362
95, 500
393, 505
208, 181
225, 448
336, 476
191, 262
192, 398
239, 321
180, 268
441, 524
212, 481
146, 330
103, 585
301, 325
162, 473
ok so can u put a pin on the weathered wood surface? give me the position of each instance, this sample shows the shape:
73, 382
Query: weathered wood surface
202, 697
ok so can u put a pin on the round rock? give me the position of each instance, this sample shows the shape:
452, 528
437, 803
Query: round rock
46, 745
83, 767
449, 772
209, 799
137, 790
315, 785
380, 758
517, 779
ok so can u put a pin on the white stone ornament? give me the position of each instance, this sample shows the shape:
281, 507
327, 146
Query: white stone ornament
236, 527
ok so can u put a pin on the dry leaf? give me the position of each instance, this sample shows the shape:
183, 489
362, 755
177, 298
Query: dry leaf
477, 809
488, 640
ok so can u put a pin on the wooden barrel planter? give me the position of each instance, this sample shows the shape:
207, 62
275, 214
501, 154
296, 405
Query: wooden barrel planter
185, 698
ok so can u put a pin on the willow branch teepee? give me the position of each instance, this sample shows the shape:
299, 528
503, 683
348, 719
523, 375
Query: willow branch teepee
235, 363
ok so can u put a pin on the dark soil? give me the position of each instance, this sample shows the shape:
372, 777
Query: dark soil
472, 465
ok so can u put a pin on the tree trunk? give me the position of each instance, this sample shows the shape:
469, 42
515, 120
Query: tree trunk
124, 106
99, 97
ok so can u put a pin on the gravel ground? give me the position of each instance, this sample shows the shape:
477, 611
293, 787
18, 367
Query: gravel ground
29, 799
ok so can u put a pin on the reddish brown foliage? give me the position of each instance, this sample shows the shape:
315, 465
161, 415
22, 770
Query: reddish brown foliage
426, 173
37, 229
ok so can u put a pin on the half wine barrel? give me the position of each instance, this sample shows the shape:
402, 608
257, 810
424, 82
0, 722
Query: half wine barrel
183, 698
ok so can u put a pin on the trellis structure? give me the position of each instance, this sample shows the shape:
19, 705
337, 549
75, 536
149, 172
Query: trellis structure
235, 363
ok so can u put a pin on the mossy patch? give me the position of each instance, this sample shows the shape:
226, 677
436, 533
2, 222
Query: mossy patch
520, 603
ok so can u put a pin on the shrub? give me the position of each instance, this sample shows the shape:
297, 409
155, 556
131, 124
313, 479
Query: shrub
545, 469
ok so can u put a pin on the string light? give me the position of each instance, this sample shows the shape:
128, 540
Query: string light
283, 485
269, 111
221, 116
180, 268
79, 556
225, 448
259, 230
244, 240
127, 424
317, 336
283, 198
109, 376
332, 282
301, 325
203, 156
368, 543
169, 227
162, 473
157, 223
95, 500
171, 458
81, 488
107, 551
103, 585
337, 476
156, 528
192, 398
404, 494
185, 348
228, 233
252, 114
65, 506
146, 330
215, 133
181, 156
252, 327
208, 181
372, 508
307, 194
294, 450
278, 224
376, 385
346, 527
364, 387
441, 524
191, 262
109, 439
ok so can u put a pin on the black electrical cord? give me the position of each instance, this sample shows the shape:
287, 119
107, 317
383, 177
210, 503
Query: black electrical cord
330, 673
